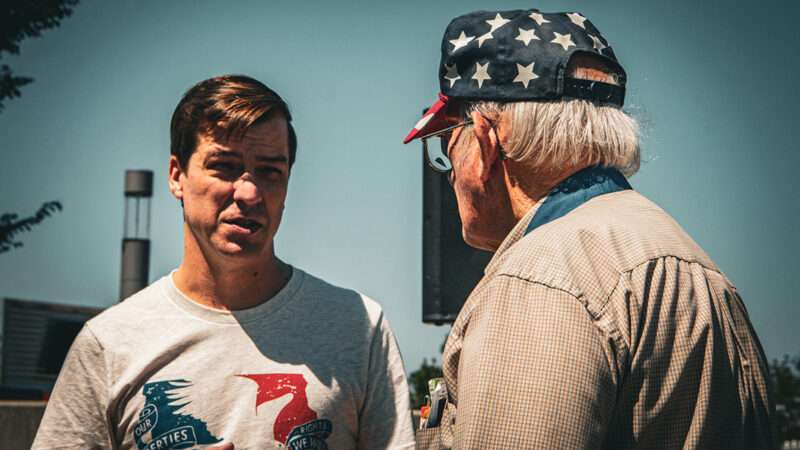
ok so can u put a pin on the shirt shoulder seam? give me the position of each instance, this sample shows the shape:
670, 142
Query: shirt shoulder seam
541, 283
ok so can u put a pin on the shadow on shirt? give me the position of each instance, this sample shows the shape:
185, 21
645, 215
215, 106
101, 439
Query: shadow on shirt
347, 347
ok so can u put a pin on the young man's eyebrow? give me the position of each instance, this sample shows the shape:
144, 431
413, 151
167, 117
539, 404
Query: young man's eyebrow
220, 153
279, 159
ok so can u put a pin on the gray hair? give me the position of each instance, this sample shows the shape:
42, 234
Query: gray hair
548, 135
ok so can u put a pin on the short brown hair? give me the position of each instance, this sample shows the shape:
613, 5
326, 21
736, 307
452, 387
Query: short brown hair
227, 104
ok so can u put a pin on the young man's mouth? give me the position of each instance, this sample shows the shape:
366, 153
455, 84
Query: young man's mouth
248, 225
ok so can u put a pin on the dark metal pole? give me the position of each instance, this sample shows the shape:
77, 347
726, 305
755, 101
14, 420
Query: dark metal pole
135, 266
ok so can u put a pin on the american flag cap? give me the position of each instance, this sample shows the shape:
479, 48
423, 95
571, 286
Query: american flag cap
519, 55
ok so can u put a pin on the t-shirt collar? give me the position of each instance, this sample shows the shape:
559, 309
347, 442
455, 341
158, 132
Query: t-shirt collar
258, 312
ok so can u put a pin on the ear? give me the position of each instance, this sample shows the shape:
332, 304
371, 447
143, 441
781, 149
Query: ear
174, 178
488, 141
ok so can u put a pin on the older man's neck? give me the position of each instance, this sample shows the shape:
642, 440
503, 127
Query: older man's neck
527, 189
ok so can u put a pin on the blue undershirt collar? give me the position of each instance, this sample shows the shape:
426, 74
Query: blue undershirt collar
576, 190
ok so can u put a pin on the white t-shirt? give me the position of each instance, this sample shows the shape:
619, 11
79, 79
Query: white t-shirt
315, 367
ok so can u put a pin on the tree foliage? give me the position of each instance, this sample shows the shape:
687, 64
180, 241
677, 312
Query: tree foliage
10, 225
418, 381
21, 19
785, 376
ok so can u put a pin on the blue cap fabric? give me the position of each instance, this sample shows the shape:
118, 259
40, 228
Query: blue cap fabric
520, 55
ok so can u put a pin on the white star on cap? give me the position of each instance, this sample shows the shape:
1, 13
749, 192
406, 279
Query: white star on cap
462, 41
598, 44
577, 19
564, 40
481, 73
527, 36
484, 38
497, 22
538, 18
452, 74
525, 74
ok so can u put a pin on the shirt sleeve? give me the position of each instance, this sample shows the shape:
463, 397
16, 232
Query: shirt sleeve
534, 371
75, 417
385, 417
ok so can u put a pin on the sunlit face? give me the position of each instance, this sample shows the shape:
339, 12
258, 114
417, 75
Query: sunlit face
479, 182
474, 202
233, 192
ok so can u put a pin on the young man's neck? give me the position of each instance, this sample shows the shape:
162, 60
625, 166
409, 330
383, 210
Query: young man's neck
230, 287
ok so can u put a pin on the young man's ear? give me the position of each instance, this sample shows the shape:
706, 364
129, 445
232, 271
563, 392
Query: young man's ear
174, 178
488, 140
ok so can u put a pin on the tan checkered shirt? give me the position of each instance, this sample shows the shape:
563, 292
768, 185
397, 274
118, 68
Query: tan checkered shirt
607, 328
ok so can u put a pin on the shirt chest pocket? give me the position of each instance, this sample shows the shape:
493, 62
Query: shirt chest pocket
441, 437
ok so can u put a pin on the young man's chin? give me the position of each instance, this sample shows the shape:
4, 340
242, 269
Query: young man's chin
240, 248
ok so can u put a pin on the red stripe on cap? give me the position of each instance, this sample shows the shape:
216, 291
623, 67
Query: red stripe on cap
432, 121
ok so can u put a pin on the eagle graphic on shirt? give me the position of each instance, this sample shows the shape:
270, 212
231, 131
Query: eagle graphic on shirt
161, 419
164, 424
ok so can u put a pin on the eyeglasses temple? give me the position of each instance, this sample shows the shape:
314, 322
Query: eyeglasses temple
444, 130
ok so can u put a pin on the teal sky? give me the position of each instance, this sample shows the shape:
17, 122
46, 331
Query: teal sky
714, 84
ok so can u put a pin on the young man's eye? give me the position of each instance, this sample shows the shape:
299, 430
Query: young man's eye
223, 166
225, 170
269, 170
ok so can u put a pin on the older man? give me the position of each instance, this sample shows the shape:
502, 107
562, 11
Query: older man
599, 322
234, 346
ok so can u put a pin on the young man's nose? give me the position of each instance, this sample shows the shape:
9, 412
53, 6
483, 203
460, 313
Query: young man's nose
246, 190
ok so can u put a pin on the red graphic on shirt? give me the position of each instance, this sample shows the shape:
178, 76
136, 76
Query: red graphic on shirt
272, 386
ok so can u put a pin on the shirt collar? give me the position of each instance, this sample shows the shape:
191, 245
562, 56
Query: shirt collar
569, 194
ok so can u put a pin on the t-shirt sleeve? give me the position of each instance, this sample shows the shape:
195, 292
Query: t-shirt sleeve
75, 417
533, 371
385, 417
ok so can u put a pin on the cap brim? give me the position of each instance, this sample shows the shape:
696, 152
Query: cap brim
434, 119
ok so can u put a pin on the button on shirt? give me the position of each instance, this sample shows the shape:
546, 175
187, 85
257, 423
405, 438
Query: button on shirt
610, 328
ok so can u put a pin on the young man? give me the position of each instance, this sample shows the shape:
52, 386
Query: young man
599, 323
235, 346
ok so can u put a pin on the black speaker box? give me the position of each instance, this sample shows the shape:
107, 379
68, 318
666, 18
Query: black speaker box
450, 268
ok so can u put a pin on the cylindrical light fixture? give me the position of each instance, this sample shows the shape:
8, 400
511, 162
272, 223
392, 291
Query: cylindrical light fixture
136, 232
